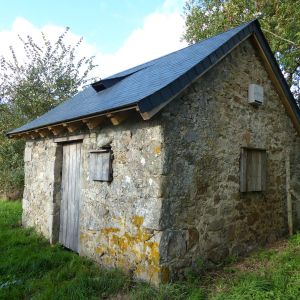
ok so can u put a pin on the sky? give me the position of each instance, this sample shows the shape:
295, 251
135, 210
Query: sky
120, 33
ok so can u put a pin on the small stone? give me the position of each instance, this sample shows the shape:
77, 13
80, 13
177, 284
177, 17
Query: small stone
231, 233
211, 211
216, 225
191, 136
193, 237
218, 254
217, 199
252, 218
173, 244
233, 178
165, 274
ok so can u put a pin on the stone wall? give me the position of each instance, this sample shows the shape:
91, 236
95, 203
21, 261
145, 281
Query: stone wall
204, 215
119, 220
38, 197
174, 202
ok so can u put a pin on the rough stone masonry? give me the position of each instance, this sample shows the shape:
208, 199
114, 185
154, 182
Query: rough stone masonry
174, 200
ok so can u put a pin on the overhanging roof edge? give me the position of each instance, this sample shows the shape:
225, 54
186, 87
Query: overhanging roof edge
151, 105
146, 105
125, 108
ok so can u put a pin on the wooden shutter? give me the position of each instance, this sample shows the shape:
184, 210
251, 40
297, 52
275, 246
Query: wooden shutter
100, 165
253, 170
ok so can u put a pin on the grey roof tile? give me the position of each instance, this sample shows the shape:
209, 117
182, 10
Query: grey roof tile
164, 76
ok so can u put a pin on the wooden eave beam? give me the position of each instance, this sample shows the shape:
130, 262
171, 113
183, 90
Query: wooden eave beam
43, 132
56, 130
118, 118
32, 135
73, 126
92, 123
18, 136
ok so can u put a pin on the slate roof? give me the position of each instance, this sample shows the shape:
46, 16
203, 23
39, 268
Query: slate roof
154, 83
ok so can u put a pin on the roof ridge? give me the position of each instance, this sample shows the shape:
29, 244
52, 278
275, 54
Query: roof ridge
152, 85
171, 53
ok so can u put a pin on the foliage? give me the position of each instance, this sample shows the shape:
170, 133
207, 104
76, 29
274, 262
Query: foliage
48, 75
280, 21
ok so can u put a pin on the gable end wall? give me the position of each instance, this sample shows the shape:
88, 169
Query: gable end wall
205, 216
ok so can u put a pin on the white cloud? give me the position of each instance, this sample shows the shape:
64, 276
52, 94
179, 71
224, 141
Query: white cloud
160, 34
22, 27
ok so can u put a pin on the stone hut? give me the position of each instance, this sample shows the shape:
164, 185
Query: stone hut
184, 159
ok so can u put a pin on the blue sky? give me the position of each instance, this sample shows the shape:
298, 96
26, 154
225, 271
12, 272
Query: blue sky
121, 33
110, 21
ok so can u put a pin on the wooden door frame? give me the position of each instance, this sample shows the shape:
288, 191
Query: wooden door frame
69, 227
57, 196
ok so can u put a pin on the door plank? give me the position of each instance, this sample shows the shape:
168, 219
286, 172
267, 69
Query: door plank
69, 223
77, 196
71, 198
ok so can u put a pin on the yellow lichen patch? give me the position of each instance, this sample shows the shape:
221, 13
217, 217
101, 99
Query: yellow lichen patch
120, 221
100, 250
121, 242
83, 236
128, 237
123, 263
109, 230
139, 269
112, 252
142, 236
148, 272
108, 261
157, 150
93, 231
137, 221
153, 271
165, 275
139, 255
154, 252
130, 250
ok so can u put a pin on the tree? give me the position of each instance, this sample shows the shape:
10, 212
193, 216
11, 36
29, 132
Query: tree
280, 21
49, 74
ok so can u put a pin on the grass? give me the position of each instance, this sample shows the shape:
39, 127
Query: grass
30, 268
272, 273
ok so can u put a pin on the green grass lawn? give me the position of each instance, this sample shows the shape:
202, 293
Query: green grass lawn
30, 268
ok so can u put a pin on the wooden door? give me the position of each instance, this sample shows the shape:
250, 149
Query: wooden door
70, 202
